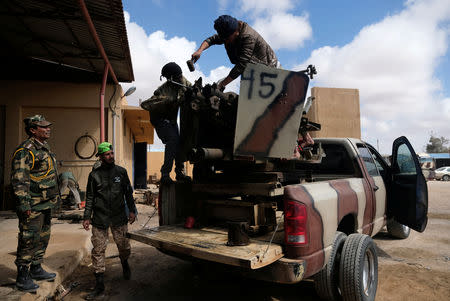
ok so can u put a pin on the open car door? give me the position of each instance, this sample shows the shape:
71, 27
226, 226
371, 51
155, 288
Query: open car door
409, 194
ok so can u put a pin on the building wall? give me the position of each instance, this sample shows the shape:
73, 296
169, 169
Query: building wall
74, 110
337, 110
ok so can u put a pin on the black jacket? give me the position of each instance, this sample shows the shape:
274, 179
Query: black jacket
107, 188
249, 47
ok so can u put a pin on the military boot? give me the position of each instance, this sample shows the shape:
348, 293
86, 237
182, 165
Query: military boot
99, 287
166, 180
24, 281
126, 269
182, 178
38, 273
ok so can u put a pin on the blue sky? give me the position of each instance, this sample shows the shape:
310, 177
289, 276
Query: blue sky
395, 52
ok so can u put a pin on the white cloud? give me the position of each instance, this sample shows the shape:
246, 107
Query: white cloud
283, 30
273, 21
393, 64
265, 7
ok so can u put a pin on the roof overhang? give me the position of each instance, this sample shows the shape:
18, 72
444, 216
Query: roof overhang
139, 122
50, 40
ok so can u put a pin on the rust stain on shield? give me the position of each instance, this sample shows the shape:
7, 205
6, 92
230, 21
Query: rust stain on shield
270, 109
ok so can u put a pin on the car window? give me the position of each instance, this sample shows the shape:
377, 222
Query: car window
368, 160
405, 160
440, 169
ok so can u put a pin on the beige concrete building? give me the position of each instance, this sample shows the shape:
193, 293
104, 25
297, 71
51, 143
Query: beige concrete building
337, 110
73, 109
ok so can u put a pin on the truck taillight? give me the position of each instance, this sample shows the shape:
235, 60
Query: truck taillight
295, 218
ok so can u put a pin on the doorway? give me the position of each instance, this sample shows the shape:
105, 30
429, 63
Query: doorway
140, 165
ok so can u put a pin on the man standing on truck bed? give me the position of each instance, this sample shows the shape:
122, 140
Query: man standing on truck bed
163, 107
108, 185
34, 181
243, 44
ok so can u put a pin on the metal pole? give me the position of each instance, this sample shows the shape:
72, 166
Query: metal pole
102, 104
97, 41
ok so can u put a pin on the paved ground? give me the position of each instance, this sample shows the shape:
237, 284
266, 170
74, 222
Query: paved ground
417, 268
68, 245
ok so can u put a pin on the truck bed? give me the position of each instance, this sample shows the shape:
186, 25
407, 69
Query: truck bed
211, 244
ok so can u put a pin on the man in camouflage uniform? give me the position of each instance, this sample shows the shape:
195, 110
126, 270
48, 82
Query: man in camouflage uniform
163, 116
107, 188
34, 182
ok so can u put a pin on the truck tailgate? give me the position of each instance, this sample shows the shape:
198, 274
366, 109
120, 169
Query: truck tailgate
209, 244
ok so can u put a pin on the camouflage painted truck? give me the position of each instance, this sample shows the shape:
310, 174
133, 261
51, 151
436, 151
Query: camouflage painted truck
276, 218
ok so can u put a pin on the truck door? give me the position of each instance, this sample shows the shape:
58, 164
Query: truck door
409, 194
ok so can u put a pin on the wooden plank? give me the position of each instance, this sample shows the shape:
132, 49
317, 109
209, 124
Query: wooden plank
209, 244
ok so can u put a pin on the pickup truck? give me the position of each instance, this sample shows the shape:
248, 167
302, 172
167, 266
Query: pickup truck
284, 220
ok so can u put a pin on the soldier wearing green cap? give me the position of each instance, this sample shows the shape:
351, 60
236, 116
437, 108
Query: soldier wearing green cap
34, 182
107, 188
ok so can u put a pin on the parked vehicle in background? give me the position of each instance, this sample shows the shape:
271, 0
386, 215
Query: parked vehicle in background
428, 165
443, 173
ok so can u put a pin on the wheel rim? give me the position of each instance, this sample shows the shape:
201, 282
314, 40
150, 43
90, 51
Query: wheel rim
368, 271
404, 228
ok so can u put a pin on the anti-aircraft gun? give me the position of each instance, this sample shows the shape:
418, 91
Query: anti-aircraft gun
231, 138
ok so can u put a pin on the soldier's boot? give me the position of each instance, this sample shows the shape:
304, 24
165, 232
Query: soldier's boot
183, 178
99, 287
24, 281
126, 269
38, 273
166, 180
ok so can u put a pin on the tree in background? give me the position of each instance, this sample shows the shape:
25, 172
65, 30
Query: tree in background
437, 145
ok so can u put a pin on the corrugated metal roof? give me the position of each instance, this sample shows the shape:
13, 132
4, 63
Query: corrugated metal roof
46, 35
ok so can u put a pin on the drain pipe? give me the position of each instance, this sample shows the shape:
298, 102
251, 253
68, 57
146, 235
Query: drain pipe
102, 104
108, 68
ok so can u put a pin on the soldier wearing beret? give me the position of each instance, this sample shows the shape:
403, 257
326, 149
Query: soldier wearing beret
243, 45
164, 119
34, 182
107, 188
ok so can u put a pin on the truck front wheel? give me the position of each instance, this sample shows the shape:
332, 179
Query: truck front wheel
358, 272
327, 280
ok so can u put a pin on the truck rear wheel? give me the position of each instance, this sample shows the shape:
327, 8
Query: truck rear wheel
397, 230
358, 272
326, 281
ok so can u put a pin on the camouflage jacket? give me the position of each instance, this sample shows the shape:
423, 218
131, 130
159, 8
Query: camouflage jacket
107, 190
165, 102
249, 47
33, 176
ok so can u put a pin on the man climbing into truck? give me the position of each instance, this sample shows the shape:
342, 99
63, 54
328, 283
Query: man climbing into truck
243, 45
163, 108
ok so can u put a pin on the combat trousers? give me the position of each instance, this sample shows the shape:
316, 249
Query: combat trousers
34, 234
99, 240
168, 133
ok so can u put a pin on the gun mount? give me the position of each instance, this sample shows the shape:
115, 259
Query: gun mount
220, 131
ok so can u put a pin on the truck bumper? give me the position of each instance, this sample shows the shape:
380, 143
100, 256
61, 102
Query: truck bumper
281, 271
